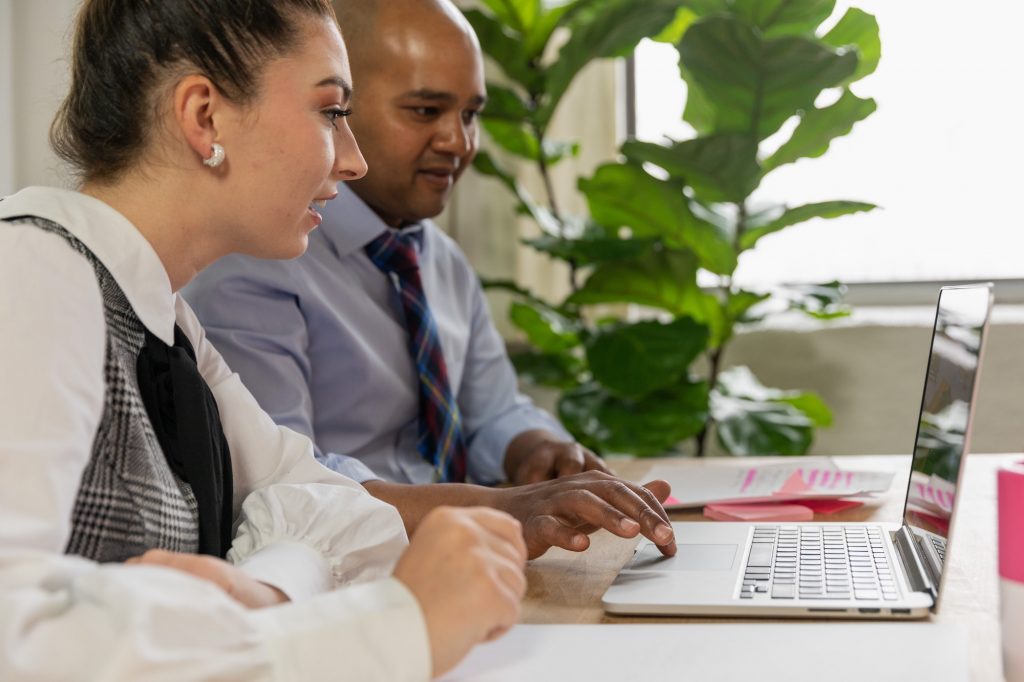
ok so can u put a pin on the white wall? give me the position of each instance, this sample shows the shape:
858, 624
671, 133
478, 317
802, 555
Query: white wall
6, 100
34, 43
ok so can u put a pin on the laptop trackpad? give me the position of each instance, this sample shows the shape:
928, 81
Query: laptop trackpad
688, 558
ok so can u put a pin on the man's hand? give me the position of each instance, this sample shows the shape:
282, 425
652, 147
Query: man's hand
465, 567
237, 583
539, 455
563, 512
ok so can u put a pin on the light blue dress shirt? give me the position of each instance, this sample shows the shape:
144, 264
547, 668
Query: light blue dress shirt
321, 342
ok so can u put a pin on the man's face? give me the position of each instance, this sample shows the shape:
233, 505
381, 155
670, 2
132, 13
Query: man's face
415, 118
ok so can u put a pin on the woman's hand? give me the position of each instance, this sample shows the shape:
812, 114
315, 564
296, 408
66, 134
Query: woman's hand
239, 585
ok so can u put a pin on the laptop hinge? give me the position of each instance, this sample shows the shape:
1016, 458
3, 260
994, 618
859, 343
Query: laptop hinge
913, 564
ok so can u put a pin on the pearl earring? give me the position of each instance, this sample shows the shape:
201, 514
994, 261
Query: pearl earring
216, 156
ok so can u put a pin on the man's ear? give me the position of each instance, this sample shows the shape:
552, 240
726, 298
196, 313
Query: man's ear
197, 107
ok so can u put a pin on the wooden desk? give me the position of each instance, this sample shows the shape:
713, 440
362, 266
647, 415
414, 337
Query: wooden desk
565, 587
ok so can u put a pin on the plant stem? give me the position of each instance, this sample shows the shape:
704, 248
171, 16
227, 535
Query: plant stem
542, 165
715, 356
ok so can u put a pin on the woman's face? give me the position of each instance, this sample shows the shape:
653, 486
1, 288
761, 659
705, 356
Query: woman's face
290, 147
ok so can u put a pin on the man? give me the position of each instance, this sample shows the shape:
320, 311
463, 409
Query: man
377, 343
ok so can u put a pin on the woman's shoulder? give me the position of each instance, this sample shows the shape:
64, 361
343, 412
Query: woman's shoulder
36, 250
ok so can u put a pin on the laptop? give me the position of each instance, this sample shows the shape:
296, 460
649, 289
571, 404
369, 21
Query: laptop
841, 570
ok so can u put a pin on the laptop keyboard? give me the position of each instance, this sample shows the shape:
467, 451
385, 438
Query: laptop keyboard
818, 562
940, 548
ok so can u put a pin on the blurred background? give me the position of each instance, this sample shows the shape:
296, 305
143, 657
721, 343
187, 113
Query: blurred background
940, 156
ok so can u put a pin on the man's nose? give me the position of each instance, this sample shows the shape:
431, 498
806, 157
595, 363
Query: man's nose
455, 137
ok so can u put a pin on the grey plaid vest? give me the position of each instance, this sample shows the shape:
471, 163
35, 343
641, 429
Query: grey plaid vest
129, 500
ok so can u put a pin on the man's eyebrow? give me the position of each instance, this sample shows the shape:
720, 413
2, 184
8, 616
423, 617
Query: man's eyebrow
339, 82
439, 96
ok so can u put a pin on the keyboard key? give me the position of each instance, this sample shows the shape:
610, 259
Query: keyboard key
865, 594
783, 591
760, 554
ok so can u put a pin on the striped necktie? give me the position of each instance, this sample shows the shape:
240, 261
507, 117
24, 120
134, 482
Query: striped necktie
440, 424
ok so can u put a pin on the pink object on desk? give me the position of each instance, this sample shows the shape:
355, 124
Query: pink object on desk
670, 501
1010, 486
830, 506
758, 512
1011, 522
804, 510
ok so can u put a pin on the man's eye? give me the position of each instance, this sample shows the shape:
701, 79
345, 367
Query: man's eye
470, 116
425, 111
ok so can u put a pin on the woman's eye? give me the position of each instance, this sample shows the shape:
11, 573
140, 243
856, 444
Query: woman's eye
334, 114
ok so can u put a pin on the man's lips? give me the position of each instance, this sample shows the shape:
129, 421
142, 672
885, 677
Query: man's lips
438, 177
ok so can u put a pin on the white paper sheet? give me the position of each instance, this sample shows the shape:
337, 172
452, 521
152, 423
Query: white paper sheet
697, 486
740, 652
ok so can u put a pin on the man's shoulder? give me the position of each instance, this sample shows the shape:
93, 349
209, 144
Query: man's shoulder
444, 248
238, 273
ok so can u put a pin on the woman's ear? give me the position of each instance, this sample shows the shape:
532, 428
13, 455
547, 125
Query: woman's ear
197, 108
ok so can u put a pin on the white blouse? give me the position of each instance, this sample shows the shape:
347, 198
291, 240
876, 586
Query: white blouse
314, 534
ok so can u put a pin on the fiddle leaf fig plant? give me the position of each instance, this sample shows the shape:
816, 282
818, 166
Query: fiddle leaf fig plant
664, 212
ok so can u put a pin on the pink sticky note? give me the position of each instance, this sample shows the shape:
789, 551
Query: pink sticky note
758, 512
670, 501
830, 506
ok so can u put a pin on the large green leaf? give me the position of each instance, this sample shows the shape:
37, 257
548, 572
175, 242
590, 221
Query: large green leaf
755, 84
739, 304
753, 427
818, 127
658, 279
624, 195
607, 29
699, 112
785, 17
704, 8
820, 301
513, 137
631, 360
546, 329
752, 419
651, 425
504, 48
718, 167
505, 103
595, 244
520, 15
860, 29
673, 33
540, 34
757, 228
557, 370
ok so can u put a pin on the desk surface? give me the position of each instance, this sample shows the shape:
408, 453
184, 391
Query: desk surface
565, 587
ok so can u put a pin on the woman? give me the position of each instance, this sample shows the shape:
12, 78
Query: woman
132, 461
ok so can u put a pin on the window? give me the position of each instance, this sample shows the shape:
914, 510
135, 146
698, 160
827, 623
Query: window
941, 155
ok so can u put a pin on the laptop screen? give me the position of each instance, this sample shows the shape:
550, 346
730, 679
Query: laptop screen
943, 427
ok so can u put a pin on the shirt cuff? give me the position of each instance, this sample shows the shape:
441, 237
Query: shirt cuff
488, 445
350, 467
295, 568
374, 631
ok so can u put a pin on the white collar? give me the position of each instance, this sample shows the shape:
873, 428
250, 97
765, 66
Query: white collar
115, 241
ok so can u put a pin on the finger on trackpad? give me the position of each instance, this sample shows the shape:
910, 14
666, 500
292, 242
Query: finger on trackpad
688, 558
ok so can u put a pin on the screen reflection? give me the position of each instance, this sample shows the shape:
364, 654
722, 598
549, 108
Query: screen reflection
943, 425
